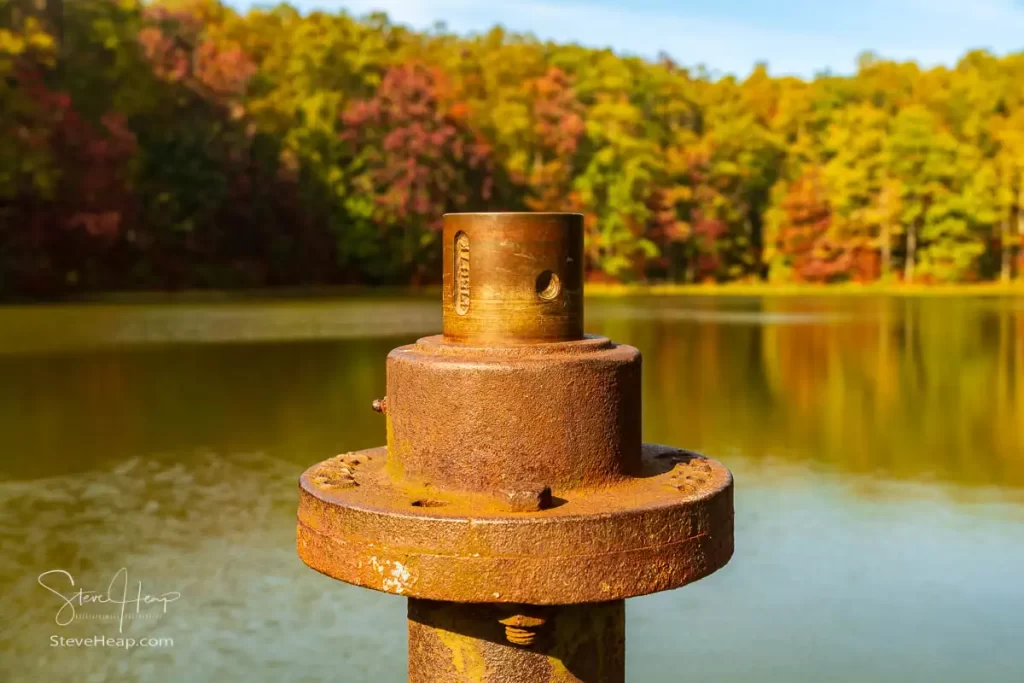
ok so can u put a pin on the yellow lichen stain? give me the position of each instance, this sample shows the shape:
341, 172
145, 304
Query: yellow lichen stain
396, 453
560, 674
467, 660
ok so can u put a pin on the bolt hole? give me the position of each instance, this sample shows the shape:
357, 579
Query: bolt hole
427, 503
548, 285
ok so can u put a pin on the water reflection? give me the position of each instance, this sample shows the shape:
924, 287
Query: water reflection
216, 528
924, 389
293, 401
878, 445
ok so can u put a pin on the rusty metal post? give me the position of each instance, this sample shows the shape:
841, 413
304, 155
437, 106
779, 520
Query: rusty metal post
451, 642
515, 504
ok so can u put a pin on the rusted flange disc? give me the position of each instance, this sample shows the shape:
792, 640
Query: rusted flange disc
661, 530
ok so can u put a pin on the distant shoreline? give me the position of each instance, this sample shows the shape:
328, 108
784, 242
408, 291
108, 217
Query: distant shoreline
847, 289
593, 289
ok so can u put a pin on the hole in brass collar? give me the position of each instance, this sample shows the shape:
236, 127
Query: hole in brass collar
548, 285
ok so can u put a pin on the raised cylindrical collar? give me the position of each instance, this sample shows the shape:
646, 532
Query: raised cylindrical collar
513, 278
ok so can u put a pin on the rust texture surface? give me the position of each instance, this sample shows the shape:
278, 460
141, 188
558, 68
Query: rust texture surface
515, 504
663, 529
560, 415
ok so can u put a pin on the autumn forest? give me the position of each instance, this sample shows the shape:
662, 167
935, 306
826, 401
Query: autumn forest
171, 145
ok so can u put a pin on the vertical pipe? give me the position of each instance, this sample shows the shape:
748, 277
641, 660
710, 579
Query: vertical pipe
470, 643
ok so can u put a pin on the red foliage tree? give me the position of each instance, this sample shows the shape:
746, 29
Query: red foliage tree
805, 235
559, 128
89, 204
418, 158
179, 52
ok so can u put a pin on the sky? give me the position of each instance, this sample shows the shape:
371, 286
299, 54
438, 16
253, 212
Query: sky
800, 37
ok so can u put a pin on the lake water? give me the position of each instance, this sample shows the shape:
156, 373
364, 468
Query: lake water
877, 445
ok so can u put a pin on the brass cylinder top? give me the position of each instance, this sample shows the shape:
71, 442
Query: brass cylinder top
513, 278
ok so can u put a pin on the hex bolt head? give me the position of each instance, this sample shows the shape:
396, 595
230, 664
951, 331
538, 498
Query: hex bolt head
527, 499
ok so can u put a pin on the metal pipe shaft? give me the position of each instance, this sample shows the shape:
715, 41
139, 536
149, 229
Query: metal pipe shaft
488, 643
515, 504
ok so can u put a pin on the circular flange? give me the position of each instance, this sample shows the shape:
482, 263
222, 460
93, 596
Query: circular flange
669, 526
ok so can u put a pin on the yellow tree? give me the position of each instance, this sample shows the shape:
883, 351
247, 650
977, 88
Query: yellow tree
860, 189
